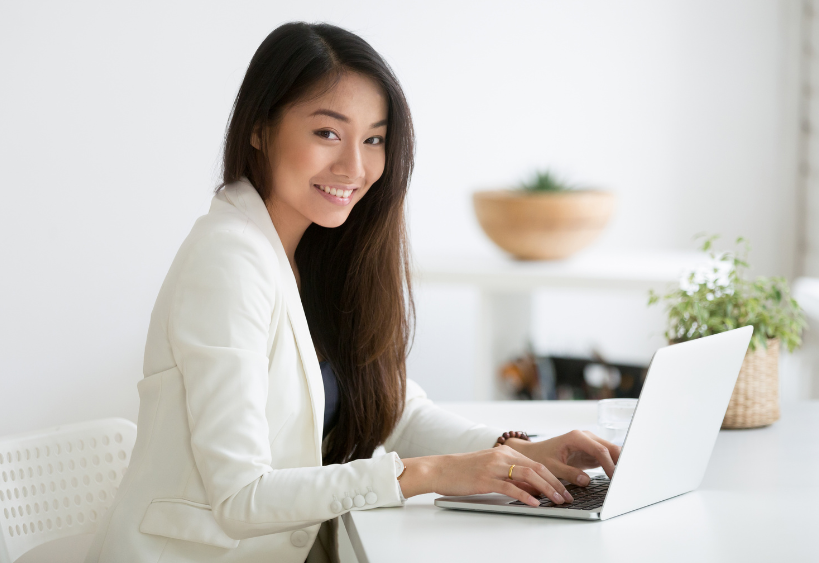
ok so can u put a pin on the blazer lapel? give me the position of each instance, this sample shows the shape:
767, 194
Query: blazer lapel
244, 196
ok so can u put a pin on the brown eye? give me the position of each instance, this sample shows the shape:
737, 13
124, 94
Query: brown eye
378, 140
327, 136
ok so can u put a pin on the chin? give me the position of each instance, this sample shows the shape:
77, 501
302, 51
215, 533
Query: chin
331, 221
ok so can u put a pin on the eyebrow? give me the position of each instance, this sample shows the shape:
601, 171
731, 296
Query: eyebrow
344, 118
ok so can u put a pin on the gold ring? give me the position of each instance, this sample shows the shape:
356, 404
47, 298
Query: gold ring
510, 471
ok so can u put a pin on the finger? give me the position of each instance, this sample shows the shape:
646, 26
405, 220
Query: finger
569, 473
554, 486
552, 479
534, 473
614, 449
526, 487
599, 451
508, 489
532, 476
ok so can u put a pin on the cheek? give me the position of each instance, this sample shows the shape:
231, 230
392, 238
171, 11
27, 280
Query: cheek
374, 167
295, 163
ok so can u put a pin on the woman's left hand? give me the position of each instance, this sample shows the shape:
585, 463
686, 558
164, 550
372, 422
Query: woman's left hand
567, 455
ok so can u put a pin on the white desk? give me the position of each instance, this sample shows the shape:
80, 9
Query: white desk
757, 502
505, 287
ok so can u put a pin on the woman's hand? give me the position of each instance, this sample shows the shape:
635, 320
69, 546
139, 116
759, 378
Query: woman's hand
485, 471
567, 455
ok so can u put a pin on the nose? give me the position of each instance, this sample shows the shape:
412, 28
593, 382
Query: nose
349, 163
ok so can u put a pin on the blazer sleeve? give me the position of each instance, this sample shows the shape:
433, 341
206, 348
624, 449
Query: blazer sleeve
427, 429
219, 329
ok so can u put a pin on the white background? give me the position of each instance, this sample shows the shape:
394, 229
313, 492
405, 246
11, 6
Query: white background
112, 117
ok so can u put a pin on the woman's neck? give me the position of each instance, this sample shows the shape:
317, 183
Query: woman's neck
290, 226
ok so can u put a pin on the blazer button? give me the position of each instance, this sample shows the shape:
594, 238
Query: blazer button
359, 501
299, 538
371, 498
347, 503
335, 506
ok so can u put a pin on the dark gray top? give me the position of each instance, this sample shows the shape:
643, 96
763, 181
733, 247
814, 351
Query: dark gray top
331, 399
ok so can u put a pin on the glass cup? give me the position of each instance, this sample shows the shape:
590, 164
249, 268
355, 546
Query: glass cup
614, 417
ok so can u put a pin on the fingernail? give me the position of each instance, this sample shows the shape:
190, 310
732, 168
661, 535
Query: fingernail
558, 498
583, 479
533, 501
567, 496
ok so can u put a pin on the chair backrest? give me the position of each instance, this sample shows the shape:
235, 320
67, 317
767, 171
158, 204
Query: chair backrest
59, 481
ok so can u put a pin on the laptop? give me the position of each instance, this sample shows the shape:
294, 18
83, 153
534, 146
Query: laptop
668, 443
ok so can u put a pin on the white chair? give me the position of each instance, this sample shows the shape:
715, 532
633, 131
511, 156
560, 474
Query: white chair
59, 481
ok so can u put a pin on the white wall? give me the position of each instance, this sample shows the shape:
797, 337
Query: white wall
112, 117
809, 196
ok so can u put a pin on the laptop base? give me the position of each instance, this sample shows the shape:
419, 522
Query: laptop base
500, 503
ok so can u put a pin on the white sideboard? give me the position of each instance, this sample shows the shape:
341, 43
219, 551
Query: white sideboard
506, 287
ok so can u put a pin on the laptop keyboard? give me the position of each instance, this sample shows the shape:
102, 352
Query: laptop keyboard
585, 498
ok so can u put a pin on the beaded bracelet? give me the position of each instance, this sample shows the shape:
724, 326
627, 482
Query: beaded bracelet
521, 435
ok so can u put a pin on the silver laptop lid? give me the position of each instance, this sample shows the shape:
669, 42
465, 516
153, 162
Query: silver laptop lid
676, 422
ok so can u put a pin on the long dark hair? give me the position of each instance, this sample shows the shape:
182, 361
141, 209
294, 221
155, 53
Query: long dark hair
355, 279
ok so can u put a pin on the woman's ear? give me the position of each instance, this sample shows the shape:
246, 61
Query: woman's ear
255, 138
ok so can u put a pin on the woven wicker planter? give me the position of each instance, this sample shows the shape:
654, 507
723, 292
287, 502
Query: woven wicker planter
755, 401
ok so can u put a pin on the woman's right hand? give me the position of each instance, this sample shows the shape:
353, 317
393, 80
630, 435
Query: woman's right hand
481, 472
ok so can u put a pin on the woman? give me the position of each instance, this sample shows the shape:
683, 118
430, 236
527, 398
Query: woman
275, 358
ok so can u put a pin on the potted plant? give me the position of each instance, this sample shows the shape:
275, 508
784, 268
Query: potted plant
543, 219
715, 298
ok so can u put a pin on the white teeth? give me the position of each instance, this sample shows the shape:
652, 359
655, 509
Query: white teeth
333, 191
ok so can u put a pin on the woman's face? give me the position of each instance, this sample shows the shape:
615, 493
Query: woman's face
325, 153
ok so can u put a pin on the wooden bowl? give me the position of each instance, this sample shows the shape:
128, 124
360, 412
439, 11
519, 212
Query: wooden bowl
543, 226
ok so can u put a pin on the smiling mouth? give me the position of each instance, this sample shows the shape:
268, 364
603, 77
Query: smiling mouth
339, 194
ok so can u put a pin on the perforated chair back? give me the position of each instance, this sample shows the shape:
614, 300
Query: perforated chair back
59, 481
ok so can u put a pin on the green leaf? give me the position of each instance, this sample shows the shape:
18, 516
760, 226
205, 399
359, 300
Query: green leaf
764, 303
546, 181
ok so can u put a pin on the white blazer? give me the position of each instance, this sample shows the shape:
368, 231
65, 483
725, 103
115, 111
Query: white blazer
227, 463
